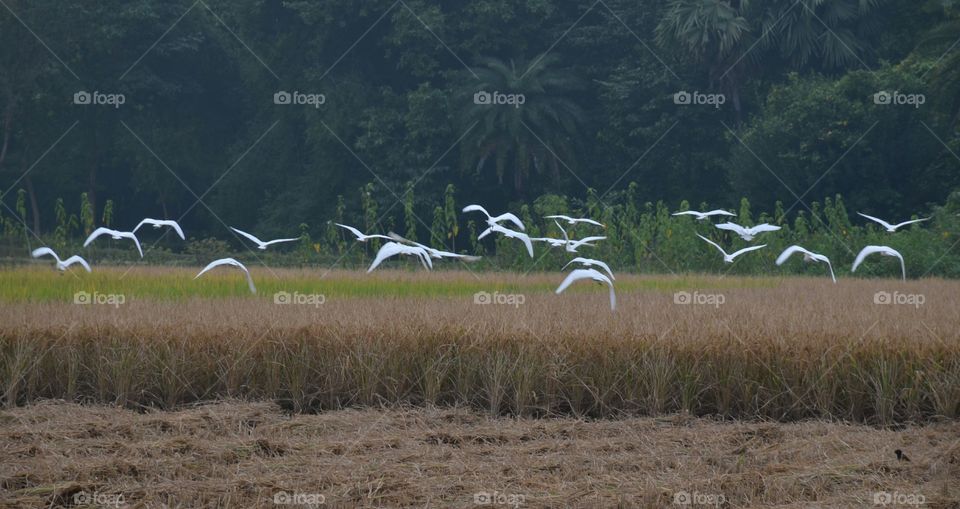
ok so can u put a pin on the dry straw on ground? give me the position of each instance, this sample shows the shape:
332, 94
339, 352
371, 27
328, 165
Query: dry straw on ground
796, 349
236, 454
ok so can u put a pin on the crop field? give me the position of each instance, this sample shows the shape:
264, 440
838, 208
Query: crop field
399, 382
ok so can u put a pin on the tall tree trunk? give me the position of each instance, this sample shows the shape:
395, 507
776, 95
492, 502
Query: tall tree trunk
35, 209
7, 128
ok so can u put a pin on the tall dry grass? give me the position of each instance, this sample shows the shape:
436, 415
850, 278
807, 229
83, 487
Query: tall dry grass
798, 349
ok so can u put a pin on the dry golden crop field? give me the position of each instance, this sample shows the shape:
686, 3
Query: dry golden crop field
767, 391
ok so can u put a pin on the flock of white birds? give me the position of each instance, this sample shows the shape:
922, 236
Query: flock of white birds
397, 245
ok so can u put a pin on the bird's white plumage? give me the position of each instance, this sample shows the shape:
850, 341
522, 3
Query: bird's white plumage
808, 256
523, 237
492, 220
883, 250
61, 264
575, 220
361, 237
157, 223
893, 227
589, 262
261, 244
116, 235
593, 274
231, 262
434, 253
394, 248
728, 258
704, 215
748, 233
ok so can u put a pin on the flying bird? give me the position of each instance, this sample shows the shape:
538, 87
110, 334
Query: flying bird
589, 262
883, 250
572, 245
728, 258
434, 253
748, 233
523, 237
230, 261
893, 227
589, 274
261, 244
394, 248
116, 235
808, 256
157, 223
575, 220
61, 264
492, 220
361, 237
701, 216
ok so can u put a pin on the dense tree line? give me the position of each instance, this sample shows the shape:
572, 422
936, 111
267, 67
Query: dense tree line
200, 134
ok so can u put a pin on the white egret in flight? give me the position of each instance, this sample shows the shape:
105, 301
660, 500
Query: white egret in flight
893, 227
808, 256
589, 262
361, 237
157, 223
883, 250
116, 235
589, 274
523, 237
701, 216
748, 233
394, 248
61, 264
261, 244
434, 253
492, 220
230, 261
728, 258
575, 220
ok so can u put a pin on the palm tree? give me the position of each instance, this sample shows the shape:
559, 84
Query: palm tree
534, 136
733, 36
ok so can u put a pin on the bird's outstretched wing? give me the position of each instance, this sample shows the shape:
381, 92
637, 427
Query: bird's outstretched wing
878, 220
277, 241
161, 222
746, 250
589, 274
96, 233
760, 228
356, 233
476, 208
247, 235
714, 244
719, 212
788, 252
133, 237
739, 230
507, 216
77, 259
911, 222
233, 262
589, 262
44, 251
690, 213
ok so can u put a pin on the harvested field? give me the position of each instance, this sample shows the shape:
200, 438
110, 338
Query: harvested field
237, 454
